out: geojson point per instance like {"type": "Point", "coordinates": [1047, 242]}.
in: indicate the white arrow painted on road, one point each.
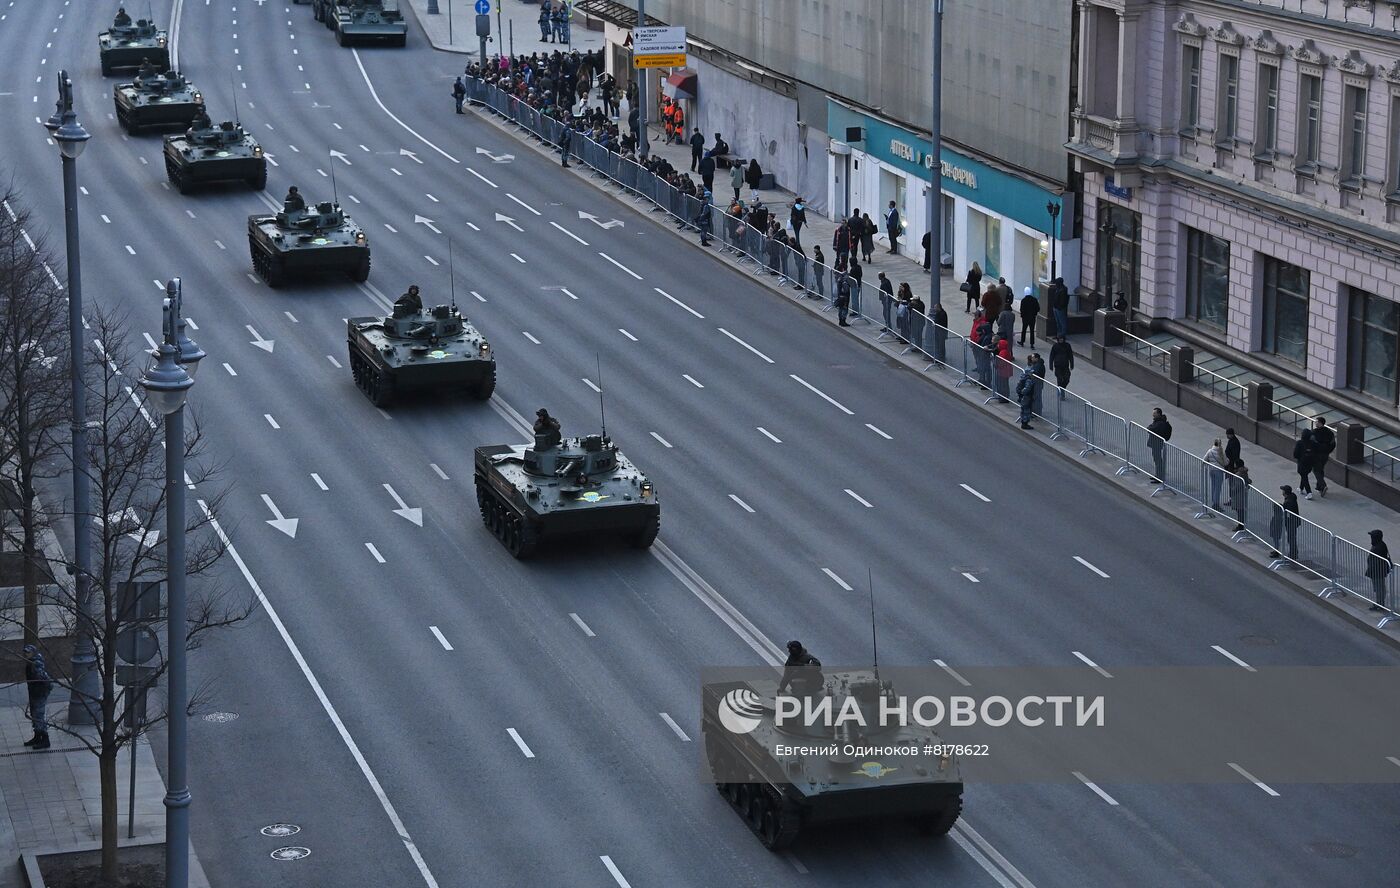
{"type": "Point", "coordinates": [264, 344]}
{"type": "Point", "coordinates": [404, 152]}
{"type": "Point", "coordinates": [423, 220]}
{"type": "Point", "coordinates": [286, 525]}
{"type": "Point", "coordinates": [509, 221]}
{"type": "Point", "coordinates": [612, 223]}
{"type": "Point", "coordinates": [496, 158]}
{"type": "Point", "coordinates": [414, 515]}
{"type": "Point", "coordinates": [341, 155]}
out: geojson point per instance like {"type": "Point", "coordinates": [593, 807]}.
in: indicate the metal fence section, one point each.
{"type": "Point", "coordinates": [1147, 352]}
{"type": "Point", "coordinates": [1367, 576]}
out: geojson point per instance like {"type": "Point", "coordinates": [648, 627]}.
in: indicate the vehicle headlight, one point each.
{"type": "Point", "coordinates": [484, 350]}
{"type": "Point", "coordinates": [257, 151]}
{"type": "Point", "coordinates": [199, 97]}
{"type": "Point", "coordinates": [647, 490]}
{"type": "Point", "coordinates": [160, 41]}
{"type": "Point", "coordinates": [359, 237]}
{"type": "Point", "coordinates": [943, 762]}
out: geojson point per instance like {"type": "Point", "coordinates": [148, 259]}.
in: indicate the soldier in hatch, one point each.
{"type": "Point", "coordinates": [546, 430]}
{"type": "Point", "coordinates": [122, 20]}
{"type": "Point", "coordinates": [147, 71]}
{"type": "Point", "coordinates": [802, 671]}
{"type": "Point", "coordinates": [201, 120]}
{"type": "Point", "coordinates": [293, 202]}
{"type": "Point", "coordinates": [409, 303]}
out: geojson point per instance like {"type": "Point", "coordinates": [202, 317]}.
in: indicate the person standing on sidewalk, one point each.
{"type": "Point", "coordinates": [705, 218]}
{"type": "Point", "coordinates": [1232, 451]}
{"type": "Point", "coordinates": [697, 149]}
{"type": "Point", "coordinates": [841, 242]}
{"type": "Point", "coordinates": [39, 685]}
{"type": "Point", "coordinates": [928, 258]}
{"type": "Point", "coordinates": [546, 20]}
{"type": "Point", "coordinates": [1239, 494]}
{"type": "Point", "coordinates": [1285, 521]}
{"type": "Point", "coordinates": [566, 139]}
{"type": "Point", "coordinates": [940, 332]}
{"type": "Point", "coordinates": [1324, 442]}
{"type": "Point", "coordinates": [459, 94]}
{"type": "Point", "coordinates": [857, 276]}
{"type": "Point", "coordinates": [1159, 432]}
{"type": "Point", "coordinates": [843, 296]}
{"type": "Point", "coordinates": [918, 321]}
{"type": "Point", "coordinates": [1030, 307]}
{"type": "Point", "coordinates": [736, 179]}
{"type": "Point", "coordinates": [1062, 362]}
{"type": "Point", "coordinates": [1378, 568]}
{"type": "Point", "coordinates": [753, 176]}
{"type": "Point", "coordinates": [1059, 306]}
{"type": "Point", "coordinates": [1215, 466]}
{"type": "Point", "coordinates": [819, 271]}
{"type": "Point", "coordinates": [892, 222]}
{"type": "Point", "coordinates": [1304, 454]}
{"type": "Point", "coordinates": [886, 300]}
{"type": "Point", "coordinates": [1006, 320]}
{"type": "Point", "coordinates": [1025, 392]}
{"type": "Point", "coordinates": [797, 218]}
{"type": "Point", "coordinates": [972, 287]}
{"type": "Point", "coordinates": [707, 169]}
{"type": "Point", "coordinates": [867, 238]}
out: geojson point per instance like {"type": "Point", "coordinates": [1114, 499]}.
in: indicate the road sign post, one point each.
{"type": "Point", "coordinates": [483, 30]}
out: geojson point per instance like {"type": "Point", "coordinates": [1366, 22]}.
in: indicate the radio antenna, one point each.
{"type": "Point", "coordinates": [334, 192]}
{"type": "Point", "coordinates": [451, 275]}
{"type": "Point", "coordinates": [874, 640]}
{"type": "Point", "coordinates": [237, 118]}
{"type": "Point", "coordinates": [601, 411]}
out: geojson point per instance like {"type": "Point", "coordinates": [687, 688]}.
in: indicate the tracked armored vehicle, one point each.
{"type": "Point", "coordinates": [417, 349]}
{"type": "Point", "coordinates": [362, 22]}
{"type": "Point", "coordinates": [324, 11]}
{"type": "Point", "coordinates": [779, 795]}
{"type": "Point", "coordinates": [302, 241]}
{"type": "Point", "coordinates": [157, 100]}
{"type": "Point", "coordinates": [128, 45]}
{"type": "Point", "coordinates": [208, 153]}
{"type": "Point", "coordinates": [560, 487]}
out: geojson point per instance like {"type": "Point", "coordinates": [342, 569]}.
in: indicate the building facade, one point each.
{"type": "Point", "coordinates": [1241, 179]}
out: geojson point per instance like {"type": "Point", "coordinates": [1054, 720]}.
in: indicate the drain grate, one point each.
{"type": "Point", "coordinates": [220, 717]}
{"type": "Point", "coordinates": [291, 852]}
{"type": "Point", "coordinates": [1332, 850]}
{"type": "Point", "coordinates": [280, 830]}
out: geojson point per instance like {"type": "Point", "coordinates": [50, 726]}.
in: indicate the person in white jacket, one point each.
{"type": "Point", "coordinates": [1215, 463]}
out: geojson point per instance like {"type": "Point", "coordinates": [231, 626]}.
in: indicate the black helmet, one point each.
{"type": "Point", "coordinates": [541, 412]}
{"type": "Point", "coordinates": [794, 646]}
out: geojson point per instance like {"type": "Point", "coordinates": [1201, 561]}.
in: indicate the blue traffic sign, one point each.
{"type": "Point", "coordinates": [483, 7]}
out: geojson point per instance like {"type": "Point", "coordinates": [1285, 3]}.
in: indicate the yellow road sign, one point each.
{"type": "Point", "coordinates": [659, 61]}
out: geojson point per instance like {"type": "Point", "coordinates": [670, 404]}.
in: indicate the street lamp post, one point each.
{"type": "Point", "coordinates": [642, 143]}
{"type": "Point", "coordinates": [1054, 210]}
{"type": "Point", "coordinates": [63, 126]}
{"type": "Point", "coordinates": [935, 190]}
{"type": "Point", "coordinates": [167, 383]}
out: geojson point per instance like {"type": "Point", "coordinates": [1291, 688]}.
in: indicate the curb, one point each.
{"type": "Point", "coordinates": [810, 307]}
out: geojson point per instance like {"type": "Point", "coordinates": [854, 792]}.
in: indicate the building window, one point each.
{"type": "Point", "coordinates": [1228, 104]}
{"type": "Point", "coordinates": [1285, 310]}
{"type": "Point", "coordinates": [1190, 89]}
{"type": "Point", "coordinates": [1309, 121]}
{"type": "Point", "coordinates": [1373, 328]}
{"type": "Point", "coordinates": [1120, 253]}
{"type": "Point", "coordinates": [1353, 136]}
{"type": "Point", "coordinates": [1207, 278]}
{"type": "Point", "coordinates": [1266, 128]}
{"type": "Point", "coordinates": [1394, 145]}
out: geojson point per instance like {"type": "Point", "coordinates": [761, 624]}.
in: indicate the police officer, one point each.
{"type": "Point", "coordinates": [293, 202]}
{"type": "Point", "coordinates": [409, 303]}
{"type": "Point", "coordinates": [39, 684]}
{"type": "Point", "coordinates": [459, 93]}
{"type": "Point", "coordinates": [546, 429]}
{"type": "Point", "coordinates": [122, 20]}
{"type": "Point", "coordinates": [802, 671]}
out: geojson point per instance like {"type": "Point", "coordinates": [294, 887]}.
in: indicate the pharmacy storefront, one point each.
{"type": "Point", "coordinates": [990, 216]}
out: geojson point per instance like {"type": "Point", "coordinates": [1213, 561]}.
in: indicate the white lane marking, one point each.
{"type": "Point", "coordinates": [431, 198]}
{"type": "Point", "coordinates": [522, 203]}
{"type": "Point", "coordinates": [437, 633]}
{"type": "Point", "coordinates": [375, 94]}
{"type": "Point", "coordinates": [823, 395]}
{"type": "Point", "coordinates": [971, 578]}
{"type": "Point", "coordinates": [1091, 567]}
{"type": "Point", "coordinates": [291, 317]}
{"type": "Point", "coordinates": [796, 864]}
{"type": "Point", "coordinates": [620, 265]}
{"type": "Point", "coordinates": [569, 233]}
{"type": "Point", "coordinates": [270, 421]}
{"type": "Point", "coordinates": [191, 214]}
{"type": "Point", "coordinates": [1094, 786]}
{"type": "Point", "coordinates": [83, 189]}
{"type": "Point", "coordinates": [625, 333]}
{"type": "Point", "coordinates": [769, 435]}
{"type": "Point", "coordinates": [332, 360]}
{"type": "Point", "coordinates": [1232, 658]}
{"type": "Point", "coordinates": [104, 218]}
{"type": "Point", "coordinates": [858, 498]}
{"type": "Point", "coordinates": [878, 432]}
{"type": "Point", "coordinates": [837, 580]}
{"type": "Point", "coordinates": [440, 473]}
{"type": "Point", "coordinates": [975, 493]}
{"type": "Point", "coordinates": [130, 250]}
{"type": "Point", "coordinates": [567, 292]}
{"type": "Point", "coordinates": [692, 380]}
{"type": "Point", "coordinates": [294, 148]}
{"type": "Point", "coordinates": [375, 552]}
{"type": "Point", "coordinates": [319, 483]}
{"type": "Point", "coordinates": [1252, 779]}
{"type": "Point", "coordinates": [588, 382]}
{"type": "Point", "coordinates": [250, 276]}
{"type": "Point", "coordinates": [472, 226]}
{"type": "Point", "coordinates": [363, 148]}
{"type": "Point", "coordinates": [1092, 665]}
{"type": "Point", "coordinates": [479, 297]}
{"type": "Point", "coordinates": [482, 178]}
{"type": "Point", "coordinates": [527, 335]}
{"type": "Point", "coordinates": [150, 340]}
{"type": "Point", "coordinates": [520, 743]}
{"type": "Point", "coordinates": [431, 260]}
{"type": "Point", "coordinates": [743, 505]}
{"type": "Point", "coordinates": [1011, 876]}
{"type": "Point", "coordinates": [231, 371]}
{"type": "Point", "coordinates": [517, 258]}
{"type": "Point", "coordinates": [671, 723]}
{"type": "Point", "coordinates": [953, 672]}
{"type": "Point", "coordinates": [392, 229]}
{"type": "Point", "coordinates": [220, 244]}
{"type": "Point", "coordinates": [582, 625]}
{"type": "Point", "coordinates": [1393, 760]}
{"type": "Point", "coordinates": [680, 303]}
{"type": "Point", "coordinates": [612, 868]}
{"type": "Point", "coordinates": [353, 198]}
{"type": "Point", "coordinates": [745, 344]}
{"type": "Point", "coordinates": [664, 442]}
{"type": "Point", "coordinates": [324, 701]}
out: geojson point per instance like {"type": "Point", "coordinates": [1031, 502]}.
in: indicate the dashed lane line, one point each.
{"type": "Point", "coordinates": [319, 483]}
{"type": "Point", "coordinates": [661, 440]}
{"type": "Point", "coordinates": [1232, 658]}
{"type": "Point", "coordinates": [975, 493]}
{"type": "Point", "coordinates": [745, 344]}
{"type": "Point", "coordinates": [1092, 665]}
{"type": "Point", "coordinates": [442, 640]}
{"type": "Point", "coordinates": [578, 621]}
{"type": "Point", "coordinates": [1095, 787]}
{"type": "Point", "coordinates": [1090, 566]}
{"type": "Point", "coordinates": [692, 380]}
{"type": "Point", "coordinates": [1252, 779]}
{"type": "Point", "coordinates": [625, 333]}
{"type": "Point", "coordinates": [616, 874]}
{"type": "Point", "coordinates": [858, 498]}
{"type": "Point", "coordinates": [769, 435]}
{"type": "Point", "coordinates": [620, 265]}
{"type": "Point", "coordinates": [591, 384]}
{"type": "Point", "coordinates": [440, 473]}
{"type": "Point", "coordinates": [527, 335]}
{"type": "Point", "coordinates": [375, 552]}
{"type": "Point", "coordinates": [823, 395]}
{"type": "Point", "coordinates": [522, 203]}
{"type": "Point", "coordinates": [953, 672]}
{"type": "Point", "coordinates": [671, 723]}
{"type": "Point", "coordinates": [569, 233]}
{"type": "Point", "coordinates": [878, 432]}
{"type": "Point", "coordinates": [971, 578]}
{"type": "Point", "coordinates": [525, 750]}
{"type": "Point", "coordinates": [743, 505]}
{"type": "Point", "coordinates": [680, 303]}
{"type": "Point", "coordinates": [836, 579]}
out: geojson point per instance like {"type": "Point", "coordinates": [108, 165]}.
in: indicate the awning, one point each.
{"type": "Point", "coordinates": [683, 84]}
{"type": "Point", "coordinates": [613, 12]}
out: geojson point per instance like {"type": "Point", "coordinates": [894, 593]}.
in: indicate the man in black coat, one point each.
{"type": "Point", "coordinates": [802, 671]}
{"type": "Point", "coordinates": [697, 149]}
{"type": "Point", "coordinates": [707, 167]}
{"type": "Point", "coordinates": [1304, 454]}
{"type": "Point", "coordinates": [1061, 362]}
{"type": "Point", "coordinates": [1030, 308]}
{"type": "Point", "coordinates": [1059, 306]}
{"type": "Point", "coordinates": [39, 685]}
{"type": "Point", "coordinates": [1159, 432]}
{"type": "Point", "coordinates": [1324, 442]}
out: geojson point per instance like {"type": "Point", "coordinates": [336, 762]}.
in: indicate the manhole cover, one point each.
{"type": "Point", "coordinates": [1332, 850]}
{"type": "Point", "coordinates": [280, 830]}
{"type": "Point", "coordinates": [1258, 640]}
{"type": "Point", "coordinates": [292, 852]}
{"type": "Point", "coordinates": [220, 717]}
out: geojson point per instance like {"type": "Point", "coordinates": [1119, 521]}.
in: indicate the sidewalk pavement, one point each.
{"type": "Point", "coordinates": [518, 33]}
{"type": "Point", "coordinates": [52, 800]}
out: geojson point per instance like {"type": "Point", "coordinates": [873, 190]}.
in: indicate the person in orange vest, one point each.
{"type": "Point", "coordinates": [666, 118]}
{"type": "Point", "coordinates": [678, 122]}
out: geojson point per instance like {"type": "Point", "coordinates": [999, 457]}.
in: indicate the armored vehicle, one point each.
{"type": "Point", "coordinates": [127, 46]}
{"type": "Point", "coordinates": [369, 21]}
{"type": "Point", "coordinates": [563, 487]}
{"type": "Point", "coordinates": [324, 11]}
{"type": "Point", "coordinates": [156, 100]}
{"type": "Point", "coordinates": [417, 349]}
{"type": "Point", "coordinates": [820, 779]}
{"type": "Point", "coordinates": [208, 153]}
{"type": "Point", "coordinates": [302, 241]}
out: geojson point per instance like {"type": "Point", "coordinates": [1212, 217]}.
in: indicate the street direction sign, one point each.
{"type": "Point", "coordinates": [659, 61]}
{"type": "Point", "coordinates": [658, 47]}
{"type": "Point", "coordinates": [483, 7]}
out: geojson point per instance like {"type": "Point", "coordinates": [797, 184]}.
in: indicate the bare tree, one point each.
{"type": "Point", "coordinates": [34, 386]}
{"type": "Point", "coordinates": [127, 470]}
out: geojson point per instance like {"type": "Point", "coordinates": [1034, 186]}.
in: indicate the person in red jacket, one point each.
{"type": "Point", "coordinates": [1005, 364]}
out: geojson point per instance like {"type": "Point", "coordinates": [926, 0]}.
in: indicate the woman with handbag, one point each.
{"type": "Point", "coordinates": [972, 287]}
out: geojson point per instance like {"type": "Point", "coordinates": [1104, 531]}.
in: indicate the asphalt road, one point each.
{"type": "Point", "coordinates": [789, 459]}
